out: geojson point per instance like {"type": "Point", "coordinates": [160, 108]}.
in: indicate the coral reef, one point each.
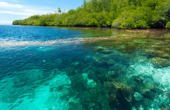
{"type": "Point", "coordinates": [160, 62]}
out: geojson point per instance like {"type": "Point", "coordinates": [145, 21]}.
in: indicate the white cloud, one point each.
{"type": "Point", "coordinates": [8, 5]}
{"type": "Point", "coordinates": [20, 9]}
{"type": "Point", "coordinates": [27, 12]}
{"type": "Point", "coordinates": [5, 22]}
{"type": "Point", "coordinates": [8, 9]}
{"type": "Point", "coordinates": [17, 13]}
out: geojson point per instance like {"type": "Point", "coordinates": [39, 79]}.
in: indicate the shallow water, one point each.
{"type": "Point", "coordinates": [51, 68]}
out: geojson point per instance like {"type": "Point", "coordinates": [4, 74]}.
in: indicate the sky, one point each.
{"type": "Point", "coordinates": [11, 10]}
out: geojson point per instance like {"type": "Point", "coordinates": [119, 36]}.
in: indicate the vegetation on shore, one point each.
{"type": "Point", "coordinates": [128, 14]}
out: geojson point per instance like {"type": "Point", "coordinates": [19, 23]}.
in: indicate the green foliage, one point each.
{"type": "Point", "coordinates": [84, 3]}
{"type": "Point", "coordinates": [164, 9]}
{"type": "Point", "coordinates": [59, 10]}
{"type": "Point", "coordinates": [152, 3]}
{"type": "Point", "coordinates": [71, 12]}
{"type": "Point", "coordinates": [168, 25]}
{"type": "Point", "coordinates": [16, 22]}
{"type": "Point", "coordinates": [126, 14]}
{"type": "Point", "coordinates": [139, 18]}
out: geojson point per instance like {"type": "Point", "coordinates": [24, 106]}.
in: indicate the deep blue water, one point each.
{"type": "Point", "coordinates": [29, 33]}
{"type": "Point", "coordinates": [52, 68]}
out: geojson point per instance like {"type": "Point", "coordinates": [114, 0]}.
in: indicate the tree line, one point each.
{"type": "Point", "coordinates": [126, 14]}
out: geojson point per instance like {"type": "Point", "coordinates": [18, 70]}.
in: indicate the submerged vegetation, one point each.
{"type": "Point", "coordinates": [126, 14]}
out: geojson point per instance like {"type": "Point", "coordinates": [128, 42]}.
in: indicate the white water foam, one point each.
{"type": "Point", "coordinates": [24, 43]}
{"type": "Point", "coordinates": [6, 43]}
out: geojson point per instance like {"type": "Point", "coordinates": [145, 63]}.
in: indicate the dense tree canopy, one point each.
{"type": "Point", "coordinates": [116, 13]}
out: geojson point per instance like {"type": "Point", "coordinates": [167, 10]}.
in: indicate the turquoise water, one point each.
{"type": "Point", "coordinates": [51, 68]}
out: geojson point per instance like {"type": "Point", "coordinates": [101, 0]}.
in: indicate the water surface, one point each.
{"type": "Point", "coordinates": [52, 68]}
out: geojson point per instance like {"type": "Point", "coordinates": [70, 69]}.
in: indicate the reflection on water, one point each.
{"type": "Point", "coordinates": [97, 69]}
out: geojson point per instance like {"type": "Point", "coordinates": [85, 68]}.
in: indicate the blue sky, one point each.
{"type": "Point", "coordinates": [11, 10]}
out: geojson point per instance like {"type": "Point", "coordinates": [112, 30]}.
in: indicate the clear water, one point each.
{"type": "Point", "coordinates": [50, 68]}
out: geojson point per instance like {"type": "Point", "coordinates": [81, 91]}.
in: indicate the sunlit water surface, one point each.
{"type": "Point", "coordinates": [50, 68]}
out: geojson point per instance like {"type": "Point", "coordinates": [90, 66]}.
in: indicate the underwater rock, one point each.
{"type": "Point", "coordinates": [119, 68]}
{"type": "Point", "coordinates": [106, 51]}
{"type": "Point", "coordinates": [120, 95]}
{"type": "Point", "coordinates": [111, 61]}
{"type": "Point", "coordinates": [75, 63]}
{"type": "Point", "coordinates": [162, 54]}
{"type": "Point", "coordinates": [167, 40]}
{"type": "Point", "coordinates": [133, 108]}
{"type": "Point", "coordinates": [160, 62]}
{"type": "Point", "coordinates": [163, 100]}
{"type": "Point", "coordinates": [138, 96]}
{"type": "Point", "coordinates": [121, 90]}
{"type": "Point", "coordinates": [78, 82]}
{"type": "Point", "coordinates": [105, 57]}
{"type": "Point", "coordinates": [148, 95]}
{"type": "Point", "coordinates": [111, 73]}
{"type": "Point", "coordinates": [91, 83]}
{"type": "Point", "coordinates": [145, 90]}
{"type": "Point", "coordinates": [150, 85]}
{"type": "Point", "coordinates": [94, 99]}
{"type": "Point", "coordinates": [150, 52]}
{"type": "Point", "coordinates": [117, 42]}
{"type": "Point", "coordinates": [167, 49]}
{"type": "Point", "coordinates": [85, 76]}
{"type": "Point", "coordinates": [141, 107]}
{"type": "Point", "coordinates": [168, 95]}
{"type": "Point", "coordinates": [100, 48]}
{"type": "Point", "coordinates": [97, 59]}
{"type": "Point", "coordinates": [87, 57]}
